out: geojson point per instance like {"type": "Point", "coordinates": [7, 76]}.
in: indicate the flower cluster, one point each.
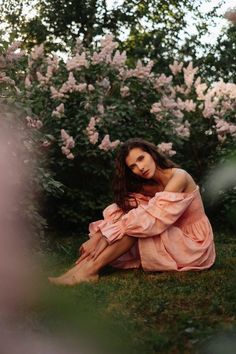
{"type": "Point", "coordinates": [230, 15]}
{"type": "Point", "coordinates": [96, 86]}
{"type": "Point", "coordinates": [59, 111]}
{"type": "Point", "coordinates": [34, 123]}
{"type": "Point", "coordinates": [223, 128]}
{"type": "Point", "coordinates": [12, 55]}
{"type": "Point", "coordinates": [91, 130]}
{"type": "Point", "coordinates": [68, 143]}
{"type": "Point", "coordinates": [106, 144]}
{"type": "Point", "coordinates": [166, 149]}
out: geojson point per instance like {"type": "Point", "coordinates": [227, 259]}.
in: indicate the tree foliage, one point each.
{"type": "Point", "coordinates": [151, 29]}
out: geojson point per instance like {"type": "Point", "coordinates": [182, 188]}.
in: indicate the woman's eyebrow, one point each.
{"type": "Point", "coordinates": [133, 164]}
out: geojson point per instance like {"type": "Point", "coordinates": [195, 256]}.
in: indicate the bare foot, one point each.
{"type": "Point", "coordinates": [67, 274]}
{"type": "Point", "coordinates": [76, 275]}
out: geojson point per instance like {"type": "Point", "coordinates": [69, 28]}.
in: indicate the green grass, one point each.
{"type": "Point", "coordinates": [137, 312]}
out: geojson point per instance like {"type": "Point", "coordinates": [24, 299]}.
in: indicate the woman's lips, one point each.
{"type": "Point", "coordinates": [145, 173]}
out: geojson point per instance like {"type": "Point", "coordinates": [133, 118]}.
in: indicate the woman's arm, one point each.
{"type": "Point", "coordinates": [154, 218]}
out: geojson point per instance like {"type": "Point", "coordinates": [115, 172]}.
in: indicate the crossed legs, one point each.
{"type": "Point", "coordinates": [88, 268]}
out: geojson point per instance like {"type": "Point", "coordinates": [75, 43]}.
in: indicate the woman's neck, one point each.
{"type": "Point", "coordinates": [162, 176]}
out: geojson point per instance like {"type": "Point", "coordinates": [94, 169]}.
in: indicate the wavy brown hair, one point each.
{"type": "Point", "coordinates": [125, 182]}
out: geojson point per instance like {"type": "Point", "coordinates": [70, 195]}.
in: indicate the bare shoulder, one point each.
{"type": "Point", "coordinates": [177, 182]}
{"type": "Point", "coordinates": [180, 181]}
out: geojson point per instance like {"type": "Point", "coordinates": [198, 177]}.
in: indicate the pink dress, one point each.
{"type": "Point", "coordinates": [172, 231]}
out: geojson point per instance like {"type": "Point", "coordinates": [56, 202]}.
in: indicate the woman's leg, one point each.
{"type": "Point", "coordinates": [88, 270]}
{"type": "Point", "coordinates": [87, 247]}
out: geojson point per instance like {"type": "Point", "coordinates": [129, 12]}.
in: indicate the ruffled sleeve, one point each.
{"type": "Point", "coordinates": [149, 220]}
{"type": "Point", "coordinates": [112, 214]}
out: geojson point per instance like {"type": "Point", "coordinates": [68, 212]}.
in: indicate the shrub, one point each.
{"type": "Point", "coordinates": [86, 105]}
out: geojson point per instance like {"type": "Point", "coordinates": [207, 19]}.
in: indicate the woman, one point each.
{"type": "Point", "coordinates": [157, 222]}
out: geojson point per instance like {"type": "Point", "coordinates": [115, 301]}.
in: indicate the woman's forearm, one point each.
{"type": "Point", "coordinates": [96, 236]}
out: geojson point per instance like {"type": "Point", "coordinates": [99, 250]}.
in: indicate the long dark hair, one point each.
{"type": "Point", "coordinates": [125, 181]}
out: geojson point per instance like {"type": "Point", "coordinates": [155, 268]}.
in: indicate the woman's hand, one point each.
{"type": "Point", "coordinates": [103, 243]}
{"type": "Point", "coordinates": [88, 247]}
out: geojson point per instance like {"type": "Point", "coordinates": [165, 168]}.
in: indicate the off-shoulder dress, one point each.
{"type": "Point", "coordinates": [172, 231]}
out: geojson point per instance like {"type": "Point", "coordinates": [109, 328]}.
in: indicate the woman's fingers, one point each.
{"type": "Point", "coordinates": [83, 256]}
{"type": "Point", "coordinates": [100, 248]}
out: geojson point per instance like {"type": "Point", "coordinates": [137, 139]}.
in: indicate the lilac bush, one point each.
{"type": "Point", "coordinates": [85, 106]}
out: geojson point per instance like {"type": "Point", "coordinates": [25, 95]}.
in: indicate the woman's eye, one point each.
{"type": "Point", "coordinates": [140, 158]}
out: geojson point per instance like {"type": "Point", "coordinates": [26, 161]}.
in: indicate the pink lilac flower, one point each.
{"type": "Point", "coordinates": [156, 107]}
{"type": "Point", "coordinates": [6, 79]}
{"type": "Point", "coordinates": [56, 94]}
{"type": "Point", "coordinates": [172, 91]}
{"type": "Point", "coordinates": [34, 123]}
{"type": "Point", "coordinates": [65, 151]}
{"type": "Point", "coordinates": [230, 15]}
{"type": "Point", "coordinates": [13, 52]}
{"type": "Point", "coordinates": [183, 130]}
{"type": "Point", "coordinates": [162, 81]}
{"type": "Point", "coordinates": [53, 62]}
{"type": "Point", "coordinates": [119, 59]}
{"type": "Point", "coordinates": [42, 79]}
{"type": "Point", "coordinates": [71, 86]}
{"type": "Point", "coordinates": [77, 62]}
{"type": "Point", "coordinates": [232, 129]}
{"type": "Point", "coordinates": [37, 52]}
{"type": "Point", "coordinates": [59, 111]}
{"type": "Point", "coordinates": [107, 145]}
{"type": "Point", "coordinates": [166, 148]}
{"type": "Point", "coordinates": [176, 67]}
{"type": "Point", "coordinates": [100, 108]}
{"type": "Point", "coordinates": [190, 106]}
{"type": "Point", "coordinates": [124, 91]}
{"type": "Point", "coordinates": [141, 71]}
{"type": "Point", "coordinates": [180, 104]}
{"type": "Point", "coordinates": [178, 114]}
{"type": "Point", "coordinates": [200, 88]}
{"type": "Point", "coordinates": [106, 50]}
{"type": "Point", "coordinates": [223, 128]}
{"type": "Point", "coordinates": [82, 87]}
{"type": "Point", "coordinates": [168, 103]}
{"type": "Point", "coordinates": [64, 135]}
{"type": "Point", "coordinates": [68, 143]}
{"type": "Point", "coordinates": [180, 89]}
{"type": "Point", "coordinates": [93, 138]}
{"type": "Point", "coordinates": [91, 130]}
{"type": "Point", "coordinates": [70, 156]}
{"type": "Point", "coordinates": [28, 83]}
{"type": "Point", "coordinates": [209, 108]}
{"type": "Point", "coordinates": [108, 41]}
{"type": "Point", "coordinates": [105, 83]}
{"type": "Point", "coordinates": [91, 87]}
{"type": "Point", "coordinates": [189, 74]}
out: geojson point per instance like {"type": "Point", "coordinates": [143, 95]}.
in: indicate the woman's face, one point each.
{"type": "Point", "coordinates": [141, 163]}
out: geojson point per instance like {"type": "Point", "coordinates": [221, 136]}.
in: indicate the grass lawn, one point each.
{"type": "Point", "coordinates": [137, 312]}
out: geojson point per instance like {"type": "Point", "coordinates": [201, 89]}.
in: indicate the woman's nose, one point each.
{"type": "Point", "coordinates": [140, 167]}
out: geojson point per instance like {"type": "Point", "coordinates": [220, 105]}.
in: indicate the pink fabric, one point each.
{"type": "Point", "coordinates": [172, 231]}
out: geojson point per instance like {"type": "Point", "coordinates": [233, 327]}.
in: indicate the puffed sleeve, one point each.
{"type": "Point", "coordinates": [113, 214]}
{"type": "Point", "coordinates": [149, 220]}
